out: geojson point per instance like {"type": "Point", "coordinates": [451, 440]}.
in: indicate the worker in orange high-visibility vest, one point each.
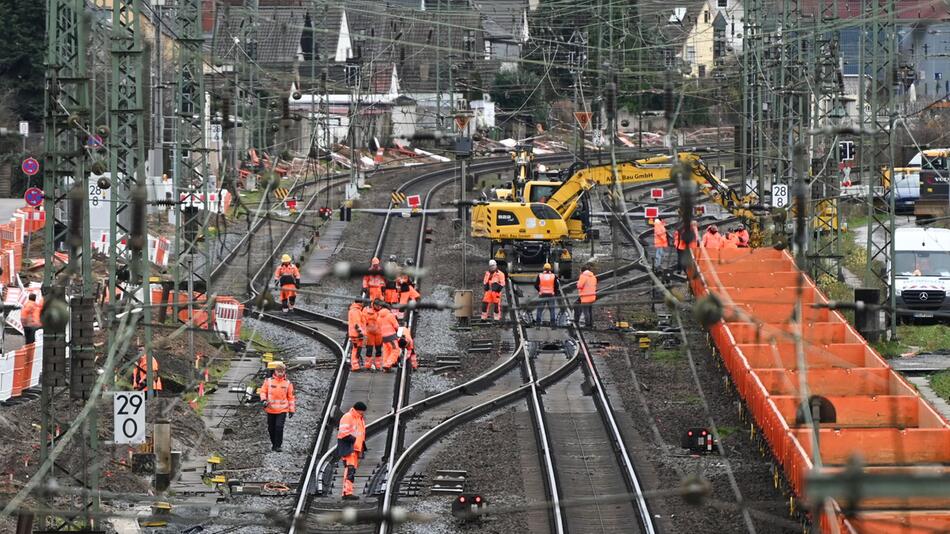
{"type": "Point", "coordinates": [660, 242]}
{"type": "Point", "coordinates": [712, 240]}
{"type": "Point", "coordinates": [351, 444]}
{"type": "Point", "coordinates": [684, 241]}
{"type": "Point", "coordinates": [140, 374]}
{"type": "Point", "coordinates": [388, 327]}
{"type": "Point", "coordinates": [407, 292]}
{"type": "Point", "coordinates": [547, 285]}
{"type": "Point", "coordinates": [277, 396]}
{"type": "Point", "coordinates": [731, 240]}
{"type": "Point", "coordinates": [374, 282]}
{"type": "Point", "coordinates": [743, 236]}
{"type": "Point", "coordinates": [494, 284]}
{"type": "Point", "coordinates": [372, 338]}
{"type": "Point", "coordinates": [406, 344]}
{"type": "Point", "coordinates": [30, 318]}
{"type": "Point", "coordinates": [390, 287]}
{"type": "Point", "coordinates": [354, 329]}
{"type": "Point", "coordinates": [586, 294]}
{"type": "Point", "coordinates": [287, 277]}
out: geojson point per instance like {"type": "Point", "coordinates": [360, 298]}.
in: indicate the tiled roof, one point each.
{"type": "Point", "coordinates": [502, 19]}
{"type": "Point", "coordinates": [278, 34]}
{"type": "Point", "coordinates": [407, 38]}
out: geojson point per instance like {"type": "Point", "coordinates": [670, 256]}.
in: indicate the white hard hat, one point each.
{"type": "Point", "coordinates": [492, 263]}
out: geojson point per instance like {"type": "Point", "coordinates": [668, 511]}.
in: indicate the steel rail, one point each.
{"type": "Point", "coordinates": [552, 481]}
{"type": "Point", "coordinates": [316, 471]}
{"type": "Point", "coordinates": [225, 263]}
{"type": "Point", "coordinates": [402, 395]}
{"type": "Point", "coordinates": [606, 411]}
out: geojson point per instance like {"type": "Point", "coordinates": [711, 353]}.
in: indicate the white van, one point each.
{"type": "Point", "coordinates": [922, 271]}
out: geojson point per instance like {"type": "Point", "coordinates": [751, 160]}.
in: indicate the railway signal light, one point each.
{"type": "Point", "coordinates": [468, 506]}
{"type": "Point", "coordinates": [699, 440]}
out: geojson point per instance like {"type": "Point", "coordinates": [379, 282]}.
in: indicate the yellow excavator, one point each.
{"type": "Point", "coordinates": [536, 221]}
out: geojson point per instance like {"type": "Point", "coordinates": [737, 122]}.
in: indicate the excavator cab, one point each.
{"type": "Point", "coordinates": [578, 224]}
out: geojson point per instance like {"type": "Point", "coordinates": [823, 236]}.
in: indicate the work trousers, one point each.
{"type": "Point", "coordinates": [585, 309]}
{"type": "Point", "coordinates": [29, 334]}
{"type": "Point", "coordinates": [390, 352]}
{"type": "Point", "coordinates": [350, 463]}
{"type": "Point", "coordinates": [658, 258]}
{"type": "Point", "coordinates": [355, 357]}
{"type": "Point", "coordinates": [288, 295]}
{"type": "Point", "coordinates": [547, 301]}
{"type": "Point", "coordinates": [374, 355]}
{"type": "Point", "coordinates": [275, 427]}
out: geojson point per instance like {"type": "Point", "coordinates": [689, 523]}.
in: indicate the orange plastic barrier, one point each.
{"type": "Point", "coordinates": [868, 410]}
{"type": "Point", "coordinates": [230, 323]}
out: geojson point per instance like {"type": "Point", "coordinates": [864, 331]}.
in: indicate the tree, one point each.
{"type": "Point", "coordinates": [22, 44]}
{"type": "Point", "coordinates": [518, 91]}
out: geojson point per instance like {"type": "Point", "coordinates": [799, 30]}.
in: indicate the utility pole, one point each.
{"type": "Point", "coordinates": [190, 162]}
{"type": "Point", "coordinates": [827, 102]}
{"type": "Point", "coordinates": [128, 236]}
{"type": "Point", "coordinates": [65, 183]}
{"type": "Point", "coordinates": [879, 65]}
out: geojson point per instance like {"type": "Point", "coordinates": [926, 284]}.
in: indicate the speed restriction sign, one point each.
{"type": "Point", "coordinates": [128, 411]}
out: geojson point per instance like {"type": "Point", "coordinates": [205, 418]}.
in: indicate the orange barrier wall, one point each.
{"type": "Point", "coordinates": [879, 416]}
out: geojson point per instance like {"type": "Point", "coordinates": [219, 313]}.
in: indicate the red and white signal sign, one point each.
{"type": "Point", "coordinates": [656, 193]}
{"type": "Point", "coordinates": [414, 201]}
{"type": "Point", "coordinates": [583, 119]}
{"type": "Point", "coordinates": [651, 213]}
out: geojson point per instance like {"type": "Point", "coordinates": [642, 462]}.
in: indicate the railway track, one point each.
{"type": "Point", "coordinates": [264, 255]}
{"type": "Point", "coordinates": [590, 456]}
{"type": "Point", "coordinates": [388, 394]}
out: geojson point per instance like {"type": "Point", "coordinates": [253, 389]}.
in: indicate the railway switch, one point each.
{"type": "Point", "coordinates": [469, 507]}
{"type": "Point", "coordinates": [699, 440]}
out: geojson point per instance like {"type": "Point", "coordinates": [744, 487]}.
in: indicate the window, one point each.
{"type": "Point", "coordinates": [543, 211]}
{"type": "Point", "coordinates": [506, 218]}
{"type": "Point", "coordinates": [935, 163]}
{"type": "Point", "coordinates": [719, 42]}
{"type": "Point", "coordinates": [691, 54]}
{"type": "Point", "coordinates": [541, 193]}
{"type": "Point", "coordinates": [706, 16]}
{"type": "Point", "coordinates": [702, 71]}
{"type": "Point", "coordinates": [909, 263]}
{"type": "Point", "coordinates": [424, 72]}
{"type": "Point", "coordinates": [722, 3]}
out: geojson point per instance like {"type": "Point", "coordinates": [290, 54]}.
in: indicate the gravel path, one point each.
{"type": "Point", "coordinates": [246, 447]}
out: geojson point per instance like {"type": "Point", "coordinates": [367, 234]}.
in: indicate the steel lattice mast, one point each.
{"type": "Point", "coordinates": [128, 237]}
{"type": "Point", "coordinates": [878, 114]}
{"type": "Point", "coordinates": [190, 166]}
{"type": "Point", "coordinates": [65, 182]}
{"type": "Point", "coordinates": [827, 104]}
